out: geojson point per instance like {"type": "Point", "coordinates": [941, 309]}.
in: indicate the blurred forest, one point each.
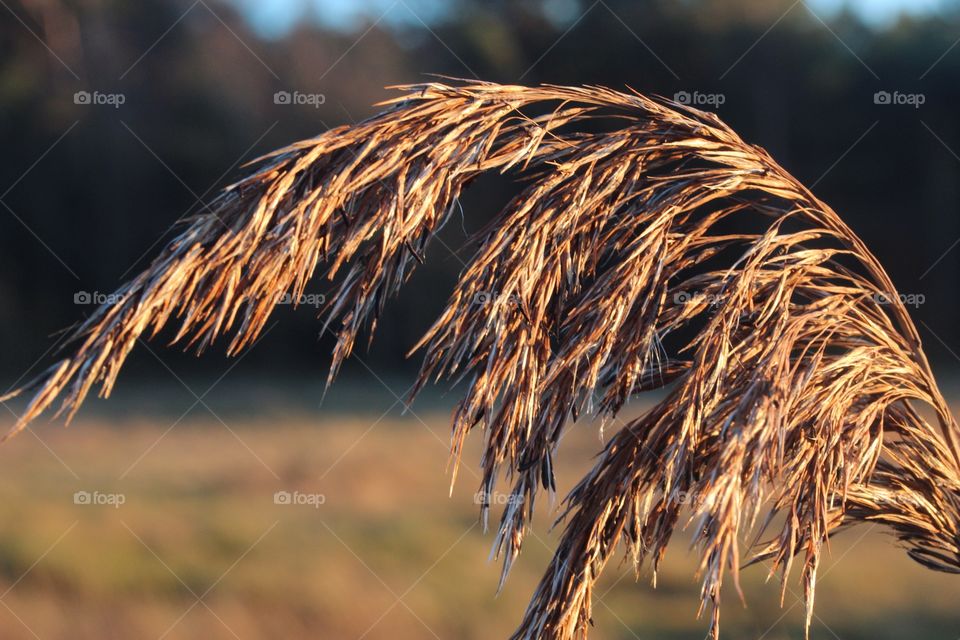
{"type": "Point", "coordinates": [89, 188]}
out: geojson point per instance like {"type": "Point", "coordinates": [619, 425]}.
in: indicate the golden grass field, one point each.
{"type": "Point", "coordinates": [199, 549]}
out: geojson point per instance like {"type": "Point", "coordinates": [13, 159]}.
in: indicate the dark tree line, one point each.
{"type": "Point", "coordinates": [835, 102]}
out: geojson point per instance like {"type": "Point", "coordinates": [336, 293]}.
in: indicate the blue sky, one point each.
{"type": "Point", "coordinates": [273, 18]}
{"type": "Point", "coordinates": [878, 11]}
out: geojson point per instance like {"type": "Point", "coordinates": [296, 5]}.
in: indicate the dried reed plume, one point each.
{"type": "Point", "coordinates": [794, 391]}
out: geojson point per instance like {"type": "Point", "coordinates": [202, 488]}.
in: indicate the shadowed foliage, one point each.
{"type": "Point", "coordinates": [650, 248]}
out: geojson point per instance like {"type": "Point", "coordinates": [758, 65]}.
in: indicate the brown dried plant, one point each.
{"type": "Point", "coordinates": [650, 248]}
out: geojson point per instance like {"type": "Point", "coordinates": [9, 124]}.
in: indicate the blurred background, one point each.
{"type": "Point", "coordinates": [221, 497]}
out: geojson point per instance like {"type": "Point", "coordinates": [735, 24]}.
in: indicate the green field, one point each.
{"type": "Point", "coordinates": [200, 549]}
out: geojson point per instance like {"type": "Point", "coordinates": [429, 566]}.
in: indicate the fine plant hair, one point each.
{"type": "Point", "coordinates": [650, 248]}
